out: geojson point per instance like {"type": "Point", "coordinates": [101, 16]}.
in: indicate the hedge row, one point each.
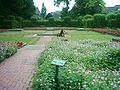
{"type": "Point", "coordinates": [102, 20]}
{"type": "Point", "coordinates": [89, 21]}
{"type": "Point", "coordinates": [49, 23]}
{"type": "Point", "coordinates": [10, 22]}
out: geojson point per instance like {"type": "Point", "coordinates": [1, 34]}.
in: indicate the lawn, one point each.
{"type": "Point", "coordinates": [92, 63]}
{"type": "Point", "coordinates": [19, 36]}
{"type": "Point", "coordinates": [82, 35]}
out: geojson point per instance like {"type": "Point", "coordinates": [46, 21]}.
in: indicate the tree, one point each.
{"type": "Point", "coordinates": [57, 15]}
{"type": "Point", "coordinates": [48, 15]}
{"type": "Point", "coordinates": [43, 11]}
{"type": "Point", "coordinates": [67, 2]}
{"type": "Point", "coordinates": [23, 8]}
{"type": "Point", "coordinates": [64, 12]}
{"type": "Point", "coordinates": [84, 7]}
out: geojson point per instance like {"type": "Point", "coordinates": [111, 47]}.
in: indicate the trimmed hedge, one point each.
{"type": "Point", "coordinates": [113, 20]}
{"type": "Point", "coordinates": [89, 23]}
{"type": "Point", "coordinates": [100, 20]}
{"type": "Point", "coordinates": [10, 24]}
{"type": "Point", "coordinates": [50, 23]}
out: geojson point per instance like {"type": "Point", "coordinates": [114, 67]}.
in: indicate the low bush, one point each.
{"type": "Point", "coordinates": [51, 21]}
{"type": "Point", "coordinates": [7, 49]}
{"type": "Point", "coordinates": [89, 23]}
{"type": "Point", "coordinates": [100, 20]}
{"type": "Point", "coordinates": [67, 19]}
{"type": "Point", "coordinates": [112, 59]}
{"type": "Point", "coordinates": [10, 17]}
{"type": "Point", "coordinates": [87, 17]}
{"type": "Point", "coordinates": [10, 24]}
{"type": "Point", "coordinates": [17, 29]}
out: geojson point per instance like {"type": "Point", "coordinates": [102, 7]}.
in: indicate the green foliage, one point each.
{"type": "Point", "coordinates": [89, 23]}
{"type": "Point", "coordinates": [23, 8]}
{"type": "Point", "coordinates": [82, 69]}
{"type": "Point", "coordinates": [84, 7]}
{"type": "Point", "coordinates": [88, 17]}
{"type": "Point", "coordinates": [7, 49]}
{"type": "Point", "coordinates": [10, 17]}
{"type": "Point", "coordinates": [64, 12]}
{"type": "Point", "coordinates": [113, 20]}
{"type": "Point", "coordinates": [112, 59]}
{"type": "Point", "coordinates": [2, 18]}
{"type": "Point", "coordinates": [67, 19]}
{"type": "Point", "coordinates": [43, 11]}
{"type": "Point", "coordinates": [57, 15]}
{"type": "Point", "coordinates": [10, 24]}
{"type": "Point", "coordinates": [51, 20]}
{"type": "Point", "coordinates": [100, 20]}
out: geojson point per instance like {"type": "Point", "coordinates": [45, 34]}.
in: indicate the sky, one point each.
{"type": "Point", "coordinates": [51, 8]}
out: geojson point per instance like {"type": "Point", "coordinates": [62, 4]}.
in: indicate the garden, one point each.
{"type": "Point", "coordinates": [89, 45]}
{"type": "Point", "coordinates": [92, 62]}
{"type": "Point", "coordinates": [10, 41]}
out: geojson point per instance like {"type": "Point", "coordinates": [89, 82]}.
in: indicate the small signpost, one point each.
{"type": "Point", "coordinates": [57, 63]}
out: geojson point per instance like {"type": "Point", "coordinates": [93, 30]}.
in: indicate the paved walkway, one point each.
{"type": "Point", "coordinates": [16, 72]}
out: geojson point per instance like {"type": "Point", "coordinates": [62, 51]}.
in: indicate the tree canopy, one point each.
{"type": "Point", "coordinates": [43, 11]}
{"type": "Point", "coordinates": [66, 2]}
{"type": "Point", "coordinates": [84, 7]}
{"type": "Point", "coordinates": [23, 8]}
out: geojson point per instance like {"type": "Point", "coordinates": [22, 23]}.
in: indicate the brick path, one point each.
{"type": "Point", "coordinates": [16, 72]}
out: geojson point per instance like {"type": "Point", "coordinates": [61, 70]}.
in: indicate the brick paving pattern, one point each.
{"type": "Point", "coordinates": [16, 72]}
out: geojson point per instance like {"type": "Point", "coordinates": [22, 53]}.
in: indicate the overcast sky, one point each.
{"type": "Point", "coordinates": [51, 8]}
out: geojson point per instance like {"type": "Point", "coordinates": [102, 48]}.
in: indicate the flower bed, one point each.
{"type": "Point", "coordinates": [90, 65]}
{"type": "Point", "coordinates": [115, 32]}
{"type": "Point", "coordinates": [7, 49]}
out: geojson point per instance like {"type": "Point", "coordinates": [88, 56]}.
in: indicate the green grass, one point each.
{"type": "Point", "coordinates": [90, 64]}
{"type": "Point", "coordinates": [19, 36]}
{"type": "Point", "coordinates": [83, 35]}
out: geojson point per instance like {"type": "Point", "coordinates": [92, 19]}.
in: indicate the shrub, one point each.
{"type": "Point", "coordinates": [89, 23]}
{"type": "Point", "coordinates": [112, 23]}
{"type": "Point", "coordinates": [87, 17]}
{"type": "Point", "coordinates": [113, 20]}
{"type": "Point", "coordinates": [2, 18]}
{"type": "Point", "coordinates": [100, 20]}
{"type": "Point", "coordinates": [10, 17]}
{"type": "Point", "coordinates": [80, 21]}
{"type": "Point", "coordinates": [112, 59]}
{"type": "Point", "coordinates": [67, 19]}
{"type": "Point", "coordinates": [10, 24]}
{"type": "Point", "coordinates": [20, 20]}
{"type": "Point", "coordinates": [51, 21]}
{"type": "Point", "coordinates": [111, 16]}
{"type": "Point", "coordinates": [15, 29]}
{"type": "Point", "coordinates": [28, 23]}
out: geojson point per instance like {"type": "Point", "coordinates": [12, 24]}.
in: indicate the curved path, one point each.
{"type": "Point", "coordinates": [16, 72]}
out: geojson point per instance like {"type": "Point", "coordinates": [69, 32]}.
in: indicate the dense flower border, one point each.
{"type": "Point", "coordinates": [7, 49]}
{"type": "Point", "coordinates": [107, 31]}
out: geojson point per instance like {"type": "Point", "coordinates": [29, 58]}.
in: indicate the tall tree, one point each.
{"type": "Point", "coordinates": [23, 8]}
{"type": "Point", "coordinates": [57, 15]}
{"type": "Point", "coordinates": [43, 11]}
{"type": "Point", "coordinates": [66, 2]}
{"type": "Point", "coordinates": [83, 7]}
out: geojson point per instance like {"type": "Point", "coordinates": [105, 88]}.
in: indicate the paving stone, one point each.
{"type": "Point", "coordinates": [16, 72]}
